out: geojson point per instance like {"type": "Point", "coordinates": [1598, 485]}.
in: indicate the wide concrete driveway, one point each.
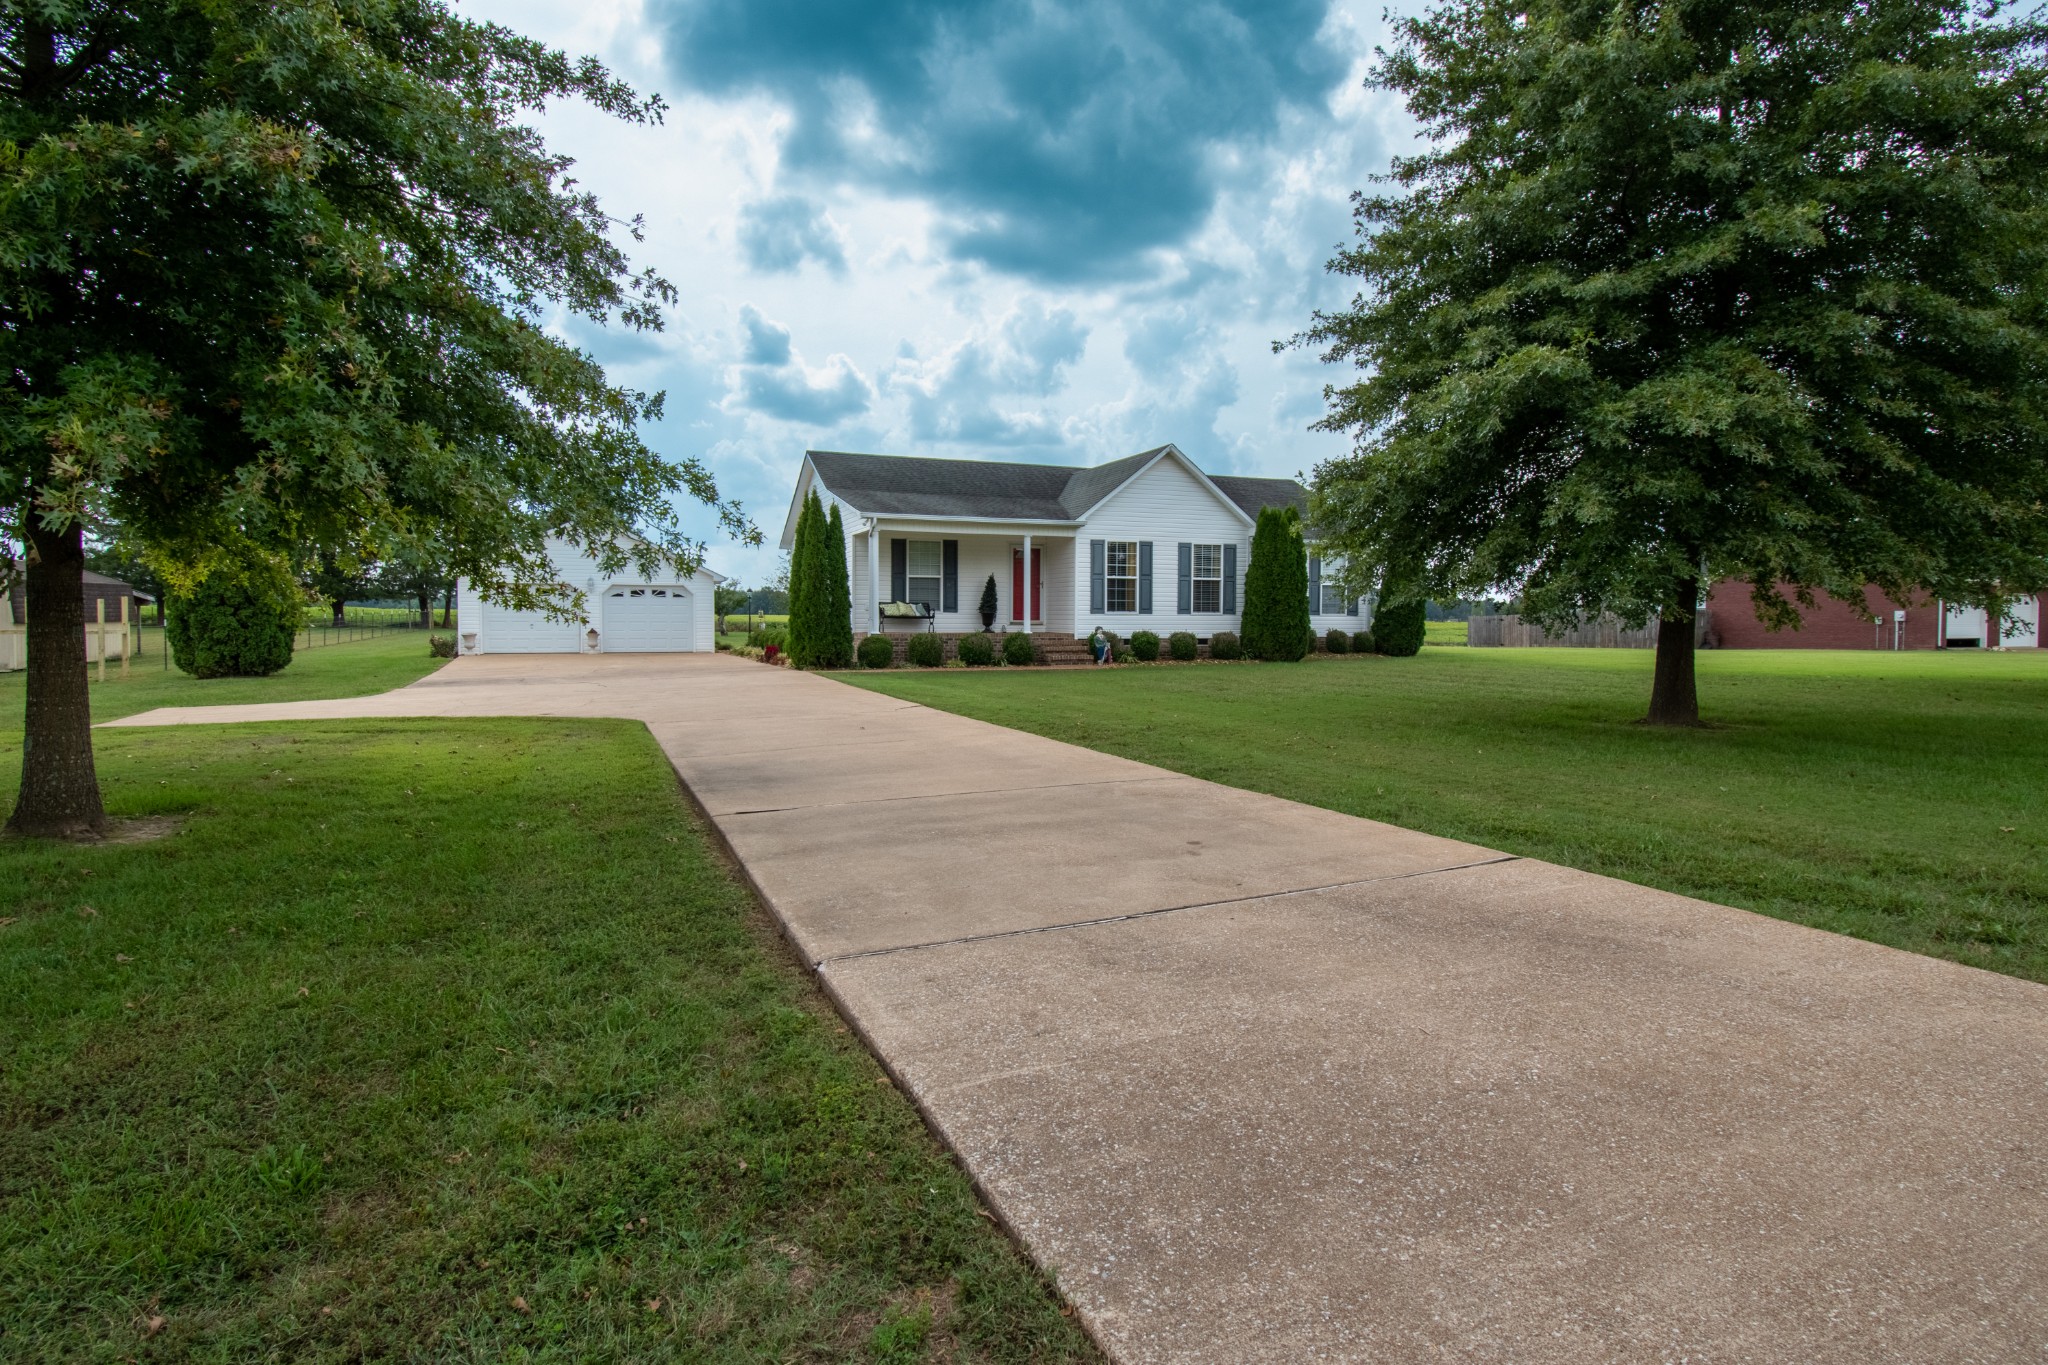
{"type": "Point", "coordinates": [1259, 1082]}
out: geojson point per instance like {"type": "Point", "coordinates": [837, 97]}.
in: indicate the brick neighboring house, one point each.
{"type": "Point", "coordinates": [1928, 624]}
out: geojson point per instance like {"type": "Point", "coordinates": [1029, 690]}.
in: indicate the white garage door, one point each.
{"type": "Point", "coordinates": [526, 632]}
{"type": "Point", "coordinates": [648, 620]}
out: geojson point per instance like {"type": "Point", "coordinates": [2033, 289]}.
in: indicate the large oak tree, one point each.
{"type": "Point", "coordinates": [1696, 290]}
{"type": "Point", "coordinates": [279, 268]}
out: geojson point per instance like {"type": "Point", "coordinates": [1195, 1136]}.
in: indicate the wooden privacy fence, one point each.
{"type": "Point", "coordinates": [1602, 632]}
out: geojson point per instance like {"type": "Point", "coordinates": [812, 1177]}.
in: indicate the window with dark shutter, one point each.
{"type": "Point", "coordinates": [1206, 577]}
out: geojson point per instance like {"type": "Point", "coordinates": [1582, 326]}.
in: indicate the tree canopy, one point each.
{"type": "Point", "coordinates": [282, 268]}
{"type": "Point", "coordinates": [1692, 291]}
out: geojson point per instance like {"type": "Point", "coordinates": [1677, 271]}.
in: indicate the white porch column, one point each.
{"type": "Point", "coordinates": [1030, 585]}
{"type": "Point", "coordinates": [874, 581]}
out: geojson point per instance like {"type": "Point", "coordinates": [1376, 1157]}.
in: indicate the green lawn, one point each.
{"type": "Point", "coordinates": [437, 1040]}
{"type": "Point", "coordinates": [354, 669]}
{"type": "Point", "coordinates": [1897, 797]}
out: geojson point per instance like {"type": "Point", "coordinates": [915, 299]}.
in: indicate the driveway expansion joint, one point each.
{"type": "Point", "coordinates": [1136, 915]}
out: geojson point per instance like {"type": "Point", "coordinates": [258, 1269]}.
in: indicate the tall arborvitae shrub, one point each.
{"type": "Point", "coordinates": [837, 651]}
{"type": "Point", "coordinates": [799, 581]}
{"type": "Point", "coordinates": [1276, 588]}
{"type": "Point", "coordinates": [810, 596]}
{"type": "Point", "coordinates": [1398, 629]}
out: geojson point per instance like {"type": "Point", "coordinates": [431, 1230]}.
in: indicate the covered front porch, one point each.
{"type": "Point", "coordinates": [946, 566]}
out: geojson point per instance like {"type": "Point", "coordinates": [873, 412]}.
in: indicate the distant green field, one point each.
{"type": "Point", "coordinates": [1897, 797]}
{"type": "Point", "coordinates": [1445, 632]}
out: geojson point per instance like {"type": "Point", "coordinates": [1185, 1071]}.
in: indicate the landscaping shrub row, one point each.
{"type": "Point", "coordinates": [1017, 650]}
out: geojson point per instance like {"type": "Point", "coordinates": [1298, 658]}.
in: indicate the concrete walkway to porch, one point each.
{"type": "Point", "coordinates": [1262, 1082]}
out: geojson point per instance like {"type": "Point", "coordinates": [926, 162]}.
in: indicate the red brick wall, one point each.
{"type": "Point", "coordinates": [1732, 623]}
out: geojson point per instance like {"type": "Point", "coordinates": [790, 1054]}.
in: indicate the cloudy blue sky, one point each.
{"type": "Point", "coordinates": [1058, 230]}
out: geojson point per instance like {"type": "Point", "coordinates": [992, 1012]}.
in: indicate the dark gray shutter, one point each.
{"type": "Point", "coordinates": [949, 587]}
{"type": "Point", "coordinates": [1187, 578]}
{"type": "Point", "coordinates": [1315, 585]}
{"type": "Point", "coordinates": [1144, 576]}
{"type": "Point", "coordinates": [1097, 570]}
{"type": "Point", "coordinates": [1230, 578]}
{"type": "Point", "coordinates": [899, 570]}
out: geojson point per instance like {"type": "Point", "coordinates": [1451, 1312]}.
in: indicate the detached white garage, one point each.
{"type": "Point", "coordinates": [626, 613]}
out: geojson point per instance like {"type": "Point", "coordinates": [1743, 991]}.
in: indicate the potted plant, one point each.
{"type": "Point", "coordinates": [988, 603]}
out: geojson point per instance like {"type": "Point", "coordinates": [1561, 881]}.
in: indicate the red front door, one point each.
{"type": "Point", "coordinates": [1037, 583]}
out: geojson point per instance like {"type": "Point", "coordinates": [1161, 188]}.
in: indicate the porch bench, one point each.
{"type": "Point", "coordinates": [910, 611]}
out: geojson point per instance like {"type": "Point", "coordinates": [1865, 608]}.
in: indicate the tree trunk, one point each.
{"type": "Point", "coordinates": [60, 791]}
{"type": "Point", "coordinates": [448, 608]}
{"type": "Point", "coordinates": [426, 610]}
{"type": "Point", "coordinates": [339, 606]}
{"type": "Point", "coordinates": [1674, 696]}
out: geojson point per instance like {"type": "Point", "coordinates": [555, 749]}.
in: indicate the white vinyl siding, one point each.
{"type": "Point", "coordinates": [1169, 506]}
{"type": "Point", "coordinates": [685, 622]}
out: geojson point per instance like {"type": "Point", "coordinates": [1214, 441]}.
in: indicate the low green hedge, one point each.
{"type": "Point", "coordinates": [976, 651]}
{"type": "Point", "coordinates": [1183, 646]}
{"type": "Point", "coordinates": [1337, 641]}
{"type": "Point", "coordinates": [1224, 644]}
{"type": "Point", "coordinates": [926, 650]}
{"type": "Point", "coordinates": [1145, 645]}
{"type": "Point", "coordinates": [1018, 649]}
{"type": "Point", "coordinates": [1361, 642]}
{"type": "Point", "coordinates": [877, 651]}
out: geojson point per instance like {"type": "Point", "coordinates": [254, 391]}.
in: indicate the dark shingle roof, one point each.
{"type": "Point", "coordinates": [914, 486]}
{"type": "Point", "coordinates": [910, 485]}
{"type": "Point", "coordinates": [1255, 495]}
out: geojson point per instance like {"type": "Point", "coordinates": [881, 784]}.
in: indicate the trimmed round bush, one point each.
{"type": "Point", "coordinates": [877, 651]}
{"type": "Point", "coordinates": [976, 651]}
{"type": "Point", "coordinates": [1224, 644]}
{"type": "Point", "coordinates": [1183, 646]}
{"type": "Point", "coordinates": [1145, 645]}
{"type": "Point", "coordinates": [1018, 650]}
{"type": "Point", "coordinates": [1337, 641]}
{"type": "Point", "coordinates": [771, 635]}
{"type": "Point", "coordinates": [926, 651]}
{"type": "Point", "coordinates": [239, 620]}
{"type": "Point", "coordinates": [1397, 629]}
{"type": "Point", "coordinates": [1361, 642]}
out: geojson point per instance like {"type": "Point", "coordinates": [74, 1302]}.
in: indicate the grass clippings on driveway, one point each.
{"type": "Point", "coordinates": [451, 1040]}
{"type": "Point", "coordinates": [1897, 797]}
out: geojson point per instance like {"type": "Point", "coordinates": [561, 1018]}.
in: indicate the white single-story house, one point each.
{"type": "Point", "coordinates": [1148, 542]}
{"type": "Point", "coordinates": [625, 612]}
